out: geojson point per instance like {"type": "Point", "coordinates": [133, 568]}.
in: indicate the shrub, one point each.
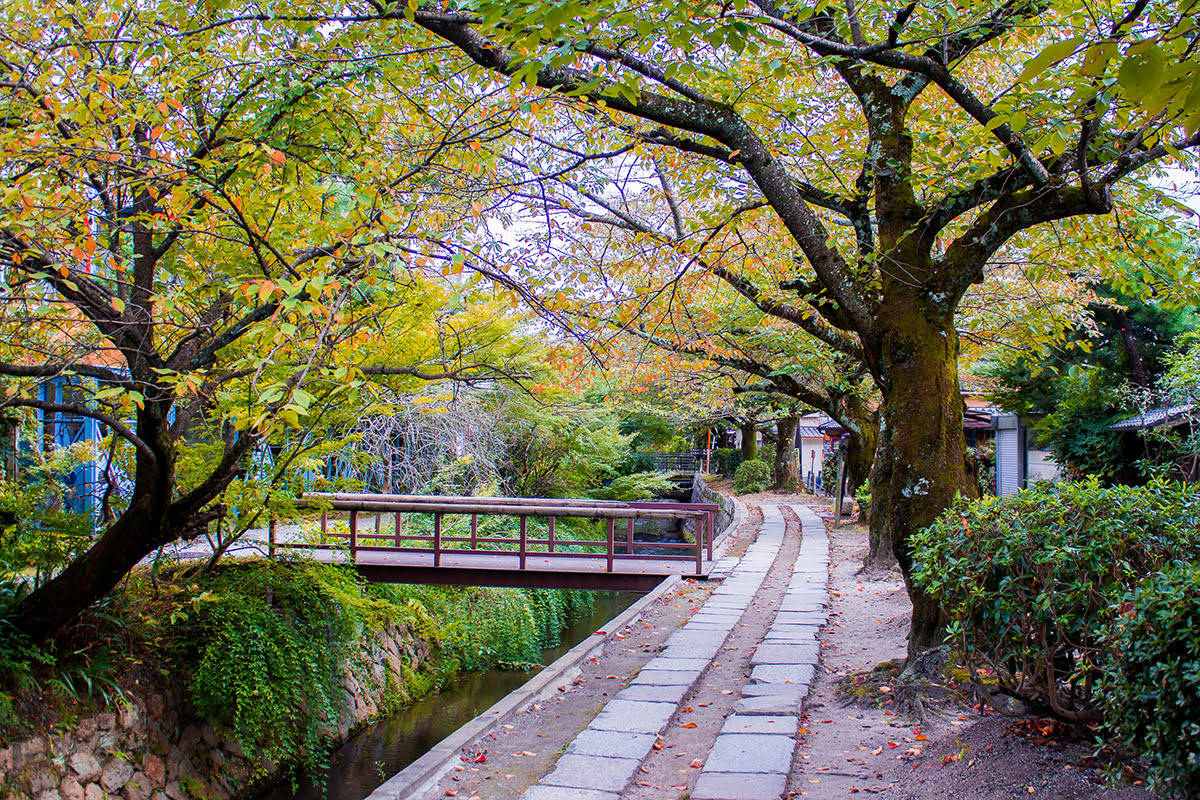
{"type": "Point", "coordinates": [727, 459]}
{"type": "Point", "coordinates": [1150, 685]}
{"type": "Point", "coordinates": [752, 476]}
{"type": "Point", "coordinates": [1030, 580]}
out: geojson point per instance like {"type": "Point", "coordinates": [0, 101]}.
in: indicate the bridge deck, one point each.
{"type": "Point", "coordinates": [542, 571]}
{"type": "Point", "coordinates": [516, 558]}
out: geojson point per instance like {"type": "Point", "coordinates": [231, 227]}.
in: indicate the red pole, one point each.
{"type": "Point", "coordinates": [437, 540]}
{"type": "Point", "coordinates": [611, 543]}
{"type": "Point", "coordinates": [522, 545]}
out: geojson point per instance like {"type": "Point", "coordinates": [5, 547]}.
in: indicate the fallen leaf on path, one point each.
{"type": "Point", "coordinates": [688, 725]}
{"type": "Point", "coordinates": [697, 763]}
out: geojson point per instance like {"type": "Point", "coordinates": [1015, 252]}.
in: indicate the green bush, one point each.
{"type": "Point", "coordinates": [751, 476]}
{"type": "Point", "coordinates": [1030, 580]}
{"type": "Point", "coordinates": [1150, 684]}
{"type": "Point", "coordinates": [726, 460]}
{"type": "Point", "coordinates": [272, 638]}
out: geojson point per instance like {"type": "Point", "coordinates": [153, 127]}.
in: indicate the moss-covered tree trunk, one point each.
{"type": "Point", "coordinates": [921, 435]}
{"type": "Point", "coordinates": [785, 472]}
{"type": "Point", "coordinates": [749, 441]}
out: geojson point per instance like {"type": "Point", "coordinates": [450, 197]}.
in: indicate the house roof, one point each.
{"type": "Point", "coordinates": [979, 417]}
{"type": "Point", "coordinates": [1163, 415]}
{"type": "Point", "coordinates": [811, 432]}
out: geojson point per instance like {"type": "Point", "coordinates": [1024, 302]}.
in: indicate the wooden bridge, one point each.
{"type": "Point", "coordinates": [388, 538]}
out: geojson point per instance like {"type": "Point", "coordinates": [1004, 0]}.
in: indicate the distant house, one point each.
{"type": "Point", "coordinates": [1137, 445]}
{"type": "Point", "coordinates": [1162, 418]}
{"type": "Point", "coordinates": [1019, 460]}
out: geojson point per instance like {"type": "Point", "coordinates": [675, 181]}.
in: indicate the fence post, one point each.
{"type": "Point", "coordinates": [271, 538]}
{"type": "Point", "coordinates": [378, 521]}
{"type": "Point", "coordinates": [551, 536]}
{"type": "Point", "coordinates": [611, 544]}
{"type": "Point", "coordinates": [699, 545]}
{"type": "Point", "coordinates": [437, 540]}
{"type": "Point", "coordinates": [712, 534]}
{"type": "Point", "coordinates": [324, 525]}
{"type": "Point", "coordinates": [353, 536]}
{"type": "Point", "coordinates": [522, 545]}
{"type": "Point", "coordinates": [629, 537]}
{"type": "Point", "coordinates": [399, 527]}
{"type": "Point", "coordinates": [474, 531]}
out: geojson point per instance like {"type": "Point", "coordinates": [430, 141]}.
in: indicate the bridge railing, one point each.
{"type": "Point", "coordinates": [405, 538]}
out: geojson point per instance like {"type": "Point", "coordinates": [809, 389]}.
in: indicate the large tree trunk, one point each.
{"type": "Point", "coordinates": [880, 552]}
{"type": "Point", "coordinates": [134, 535]}
{"type": "Point", "coordinates": [922, 431]}
{"type": "Point", "coordinates": [749, 441]}
{"type": "Point", "coordinates": [786, 476]}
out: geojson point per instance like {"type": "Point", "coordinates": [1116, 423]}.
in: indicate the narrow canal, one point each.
{"type": "Point", "coordinates": [383, 749]}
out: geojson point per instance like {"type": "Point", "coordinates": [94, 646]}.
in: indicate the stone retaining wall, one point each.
{"type": "Point", "coordinates": [154, 748]}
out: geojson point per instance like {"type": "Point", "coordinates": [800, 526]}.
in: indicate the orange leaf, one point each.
{"type": "Point", "coordinates": [688, 725]}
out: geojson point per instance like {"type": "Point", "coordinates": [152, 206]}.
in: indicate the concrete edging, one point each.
{"type": "Point", "coordinates": [419, 776]}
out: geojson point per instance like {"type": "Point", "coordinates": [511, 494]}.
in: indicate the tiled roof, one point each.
{"type": "Point", "coordinates": [1154, 417]}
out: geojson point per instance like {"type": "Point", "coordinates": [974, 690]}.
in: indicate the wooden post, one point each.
{"type": "Point", "coordinates": [324, 526]}
{"type": "Point", "coordinates": [699, 545]}
{"type": "Point", "coordinates": [474, 531]}
{"type": "Point", "coordinates": [629, 537]}
{"type": "Point", "coordinates": [712, 534]}
{"type": "Point", "coordinates": [521, 550]}
{"type": "Point", "coordinates": [840, 487]}
{"type": "Point", "coordinates": [378, 521]}
{"type": "Point", "coordinates": [611, 544]}
{"type": "Point", "coordinates": [437, 540]}
{"type": "Point", "coordinates": [353, 536]}
{"type": "Point", "coordinates": [551, 536]}
{"type": "Point", "coordinates": [399, 528]}
{"type": "Point", "coordinates": [271, 538]}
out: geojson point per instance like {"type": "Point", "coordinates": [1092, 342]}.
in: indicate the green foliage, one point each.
{"type": "Point", "coordinates": [982, 461]}
{"type": "Point", "coordinates": [561, 451]}
{"type": "Point", "coordinates": [862, 496]}
{"type": "Point", "coordinates": [829, 474]}
{"type": "Point", "coordinates": [1150, 685]}
{"type": "Point", "coordinates": [480, 627]}
{"type": "Point", "coordinates": [37, 539]}
{"type": "Point", "coordinates": [268, 641]}
{"type": "Point", "coordinates": [766, 452]}
{"type": "Point", "coordinates": [1030, 580]}
{"type": "Point", "coordinates": [752, 476]}
{"type": "Point", "coordinates": [727, 459]}
{"type": "Point", "coordinates": [637, 486]}
{"type": "Point", "coordinates": [1077, 431]}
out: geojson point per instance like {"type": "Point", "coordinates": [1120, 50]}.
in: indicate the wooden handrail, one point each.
{"type": "Point", "coordinates": [700, 514]}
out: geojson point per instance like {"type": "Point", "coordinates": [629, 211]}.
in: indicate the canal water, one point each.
{"type": "Point", "coordinates": [391, 744]}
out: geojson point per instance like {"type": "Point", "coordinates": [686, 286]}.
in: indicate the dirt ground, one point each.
{"type": "Point", "coordinates": [956, 752]}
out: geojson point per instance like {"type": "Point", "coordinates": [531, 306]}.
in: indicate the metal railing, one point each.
{"type": "Point", "coordinates": [404, 538]}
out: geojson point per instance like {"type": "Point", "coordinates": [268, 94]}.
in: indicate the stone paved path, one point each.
{"type": "Point", "coordinates": [752, 754]}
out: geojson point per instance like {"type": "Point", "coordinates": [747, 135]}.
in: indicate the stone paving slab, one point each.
{"type": "Point", "coordinates": [783, 673]}
{"type": "Point", "coordinates": [666, 677]}
{"type": "Point", "coordinates": [618, 744]}
{"type": "Point", "coordinates": [539, 792]}
{"type": "Point", "coordinates": [738, 723]}
{"type": "Point", "coordinates": [656, 694]}
{"type": "Point", "coordinates": [739, 786]}
{"type": "Point", "coordinates": [633, 716]}
{"type": "Point", "coordinates": [662, 662]}
{"type": "Point", "coordinates": [751, 752]}
{"type": "Point", "coordinates": [785, 654]}
{"type": "Point", "coordinates": [772, 705]}
{"type": "Point", "coordinates": [592, 772]}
